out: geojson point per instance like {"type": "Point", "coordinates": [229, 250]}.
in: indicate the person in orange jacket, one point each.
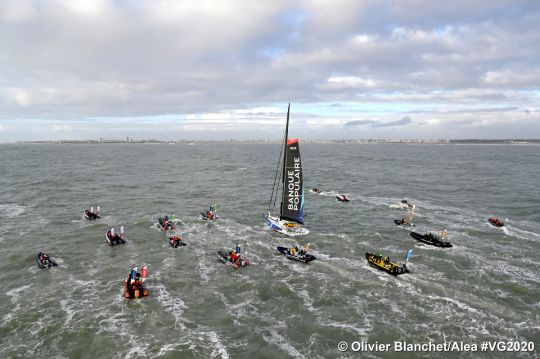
{"type": "Point", "coordinates": [136, 288]}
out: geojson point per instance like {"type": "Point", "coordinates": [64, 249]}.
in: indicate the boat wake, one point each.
{"type": "Point", "coordinates": [328, 193]}
{"type": "Point", "coordinates": [521, 234]}
{"type": "Point", "coordinates": [272, 336]}
{"type": "Point", "coordinates": [172, 303]}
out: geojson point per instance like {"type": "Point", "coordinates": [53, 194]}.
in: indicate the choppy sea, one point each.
{"type": "Point", "coordinates": [485, 288]}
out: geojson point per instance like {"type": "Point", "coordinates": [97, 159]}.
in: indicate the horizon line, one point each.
{"type": "Point", "coordinates": [367, 140]}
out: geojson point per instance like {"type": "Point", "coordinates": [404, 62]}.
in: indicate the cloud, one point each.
{"type": "Point", "coordinates": [13, 11]}
{"type": "Point", "coordinates": [349, 82]}
{"type": "Point", "coordinates": [359, 122]}
{"type": "Point", "coordinates": [239, 62]}
{"type": "Point", "coordinates": [19, 97]}
{"type": "Point", "coordinates": [402, 122]}
{"type": "Point", "coordinates": [62, 128]}
{"type": "Point", "coordinates": [506, 77]}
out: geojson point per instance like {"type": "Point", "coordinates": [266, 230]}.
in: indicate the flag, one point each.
{"type": "Point", "coordinates": [409, 255]}
{"type": "Point", "coordinates": [134, 272]}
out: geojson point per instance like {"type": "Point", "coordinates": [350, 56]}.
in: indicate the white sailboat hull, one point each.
{"type": "Point", "coordinates": [288, 228]}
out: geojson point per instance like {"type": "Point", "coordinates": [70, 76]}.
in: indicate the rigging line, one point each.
{"type": "Point", "coordinates": [275, 179]}
{"type": "Point", "coordinates": [277, 183]}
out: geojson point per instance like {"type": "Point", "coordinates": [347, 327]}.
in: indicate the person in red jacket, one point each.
{"type": "Point", "coordinates": [136, 287]}
{"type": "Point", "coordinates": [175, 241]}
{"type": "Point", "coordinates": [234, 256]}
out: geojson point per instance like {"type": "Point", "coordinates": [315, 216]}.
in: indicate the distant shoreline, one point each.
{"type": "Point", "coordinates": [368, 141]}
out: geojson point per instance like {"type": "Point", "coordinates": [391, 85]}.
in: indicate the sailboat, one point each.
{"type": "Point", "coordinates": [290, 219]}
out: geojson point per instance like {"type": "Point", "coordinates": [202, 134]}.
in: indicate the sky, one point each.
{"type": "Point", "coordinates": [226, 69]}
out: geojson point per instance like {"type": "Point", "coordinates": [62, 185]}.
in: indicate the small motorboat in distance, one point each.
{"type": "Point", "coordinates": [176, 241]}
{"type": "Point", "coordinates": [297, 254]}
{"type": "Point", "coordinates": [113, 238]}
{"type": "Point", "coordinates": [403, 222]}
{"type": "Point", "coordinates": [90, 214]}
{"type": "Point", "coordinates": [44, 261]}
{"type": "Point", "coordinates": [233, 257]}
{"type": "Point", "coordinates": [431, 239]}
{"type": "Point", "coordinates": [165, 223]}
{"type": "Point", "coordinates": [496, 222]}
{"type": "Point", "coordinates": [404, 204]}
{"type": "Point", "coordinates": [384, 264]}
{"type": "Point", "coordinates": [211, 214]}
{"type": "Point", "coordinates": [133, 284]}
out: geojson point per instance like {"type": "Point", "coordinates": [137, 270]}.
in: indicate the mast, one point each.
{"type": "Point", "coordinates": [275, 186]}
{"type": "Point", "coordinates": [285, 152]}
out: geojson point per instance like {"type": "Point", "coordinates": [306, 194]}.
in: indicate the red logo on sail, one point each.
{"type": "Point", "coordinates": [292, 141]}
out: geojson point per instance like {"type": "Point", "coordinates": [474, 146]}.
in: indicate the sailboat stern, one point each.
{"type": "Point", "coordinates": [288, 228]}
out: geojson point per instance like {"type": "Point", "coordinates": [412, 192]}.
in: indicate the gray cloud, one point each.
{"type": "Point", "coordinates": [88, 59]}
{"type": "Point", "coordinates": [402, 122]}
{"type": "Point", "coordinates": [359, 123]}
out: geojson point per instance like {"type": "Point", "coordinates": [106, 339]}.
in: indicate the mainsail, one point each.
{"type": "Point", "coordinates": [292, 205]}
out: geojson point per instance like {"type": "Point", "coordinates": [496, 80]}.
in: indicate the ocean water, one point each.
{"type": "Point", "coordinates": [485, 288]}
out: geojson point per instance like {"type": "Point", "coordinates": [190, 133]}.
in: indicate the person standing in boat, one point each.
{"type": "Point", "coordinates": [304, 250]}
{"type": "Point", "coordinates": [234, 257]}
{"type": "Point", "coordinates": [443, 234]}
{"type": "Point", "coordinates": [44, 258]}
